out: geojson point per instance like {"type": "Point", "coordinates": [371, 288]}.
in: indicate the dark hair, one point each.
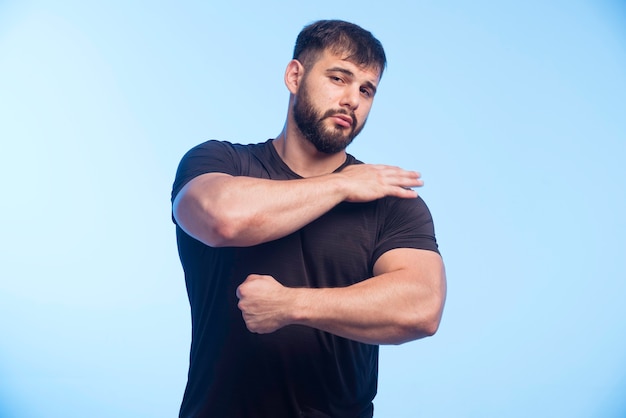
{"type": "Point", "coordinates": [353, 42]}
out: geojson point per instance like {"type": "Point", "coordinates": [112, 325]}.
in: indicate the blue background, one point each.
{"type": "Point", "coordinates": [513, 111]}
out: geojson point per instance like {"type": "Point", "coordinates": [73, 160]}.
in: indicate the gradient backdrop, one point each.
{"type": "Point", "coordinates": [515, 113]}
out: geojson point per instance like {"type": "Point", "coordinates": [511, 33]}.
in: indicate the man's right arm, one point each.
{"type": "Point", "coordinates": [221, 210]}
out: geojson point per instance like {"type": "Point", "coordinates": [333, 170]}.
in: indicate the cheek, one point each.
{"type": "Point", "coordinates": [330, 100]}
{"type": "Point", "coordinates": [362, 113]}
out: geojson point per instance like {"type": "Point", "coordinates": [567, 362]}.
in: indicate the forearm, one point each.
{"type": "Point", "coordinates": [245, 211]}
{"type": "Point", "coordinates": [222, 210]}
{"type": "Point", "coordinates": [387, 309]}
{"type": "Point", "coordinates": [402, 302]}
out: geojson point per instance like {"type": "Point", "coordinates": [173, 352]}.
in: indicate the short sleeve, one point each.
{"type": "Point", "coordinates": [208, 157]}
{"type": "Point", "coordinates": [407, 223]}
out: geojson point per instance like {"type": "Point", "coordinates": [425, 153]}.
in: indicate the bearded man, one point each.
{"type": "Point", "coordinates": [300, 260]}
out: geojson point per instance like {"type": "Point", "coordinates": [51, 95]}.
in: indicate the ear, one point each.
{"type": "Point", "coordinates": [293, 75]}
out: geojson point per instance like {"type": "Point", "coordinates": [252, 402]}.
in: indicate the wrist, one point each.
{"type": "Point", "coordinates": [339, 185]}
{"type": "Point", "coordinates": [299, 305]}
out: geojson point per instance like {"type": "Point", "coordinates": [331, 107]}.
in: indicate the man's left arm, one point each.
{"type": "Point", "coordinates": [402, 302]}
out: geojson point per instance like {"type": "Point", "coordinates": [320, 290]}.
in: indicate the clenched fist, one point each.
{"type": "Point", "coordinates": [264, 303]}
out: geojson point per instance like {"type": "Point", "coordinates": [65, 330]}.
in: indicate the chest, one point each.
{"type": "Point", "coordinates": [334, 250]}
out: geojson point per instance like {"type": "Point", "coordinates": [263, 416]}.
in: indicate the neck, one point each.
{"type": "Point", "coordinates": [302, 157]}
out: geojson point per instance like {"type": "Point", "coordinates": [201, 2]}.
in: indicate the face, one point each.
{"type": "Point", "coordinates": [333, 101]}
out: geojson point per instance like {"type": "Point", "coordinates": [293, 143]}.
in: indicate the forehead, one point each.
{"type": "Point", "coordinates": [328, 60]}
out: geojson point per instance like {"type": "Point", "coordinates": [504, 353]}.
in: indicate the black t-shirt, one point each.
{"type": "Point", "coordinates": [296, 371]}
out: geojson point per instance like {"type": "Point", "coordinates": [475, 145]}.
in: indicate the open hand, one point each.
{"type": "Point", "coordinates": [367, 182]}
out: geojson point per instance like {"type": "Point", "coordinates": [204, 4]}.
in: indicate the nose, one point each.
{"type": "Point", "coordinates": [351, 98]}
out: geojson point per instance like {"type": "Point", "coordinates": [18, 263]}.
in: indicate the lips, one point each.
{"type": "Point", "coordinates": [342, 120]}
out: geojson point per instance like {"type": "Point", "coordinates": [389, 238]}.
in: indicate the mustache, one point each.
{"type": "Point", "coordinates": [333, 112]}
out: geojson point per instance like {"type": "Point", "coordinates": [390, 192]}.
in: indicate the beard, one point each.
{"type": "Point", "coordinates": [327, 140]}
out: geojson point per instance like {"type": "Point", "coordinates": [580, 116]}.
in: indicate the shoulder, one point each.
{"type": "Point", "coordinates": [350, 160]}
{"type": "Point", "coordinates": [214, 146]}
{"type": "Point", "coordinates": [405, 223]}
{"type": "Point", "coordinates": [215, 151]}
{"type": "Point", "coordinates": [216, 156]}
{"type": "Point", "coordinates": [413, 211]}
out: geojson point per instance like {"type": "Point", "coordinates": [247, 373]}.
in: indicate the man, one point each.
{"type": "Point", "coordinates": [299, 260]}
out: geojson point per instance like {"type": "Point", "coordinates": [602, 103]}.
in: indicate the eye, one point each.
{"type": "Point", "coordinates": [336, 79]}
{"type": "Point", "coordinates": [366, 92]}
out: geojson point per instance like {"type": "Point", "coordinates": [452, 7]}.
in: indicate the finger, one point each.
{"type": "Point", "coordinates": [416, 183]}
{"type": "Point", "coordinates": [406, 183]}
{"type": "Point", "coordinates": [412, 175]}
{"type": "Point", "coordinates": [404, 193]}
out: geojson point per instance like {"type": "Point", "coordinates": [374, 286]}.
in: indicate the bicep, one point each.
{"type": "Point", "coordinates": [423, 268]}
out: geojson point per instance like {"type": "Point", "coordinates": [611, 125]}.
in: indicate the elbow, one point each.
{"type": "Point", "coordinates": [425, 317]}
{"type": "Point", "coordinates": [229, 230]}
{"type": "Point", "coordinates": [430, 321]}
{"type": "Point", "coordinates": [220, 233]}
{"type": "Point", "coordinates": [421, 323]}
{"type": "Point", "coordinates": [425, 327]}
{"type": "Point", "coordinates": [417, 331]}
{"type": "Point", "coordinates": [199, 221]}
{"type": "Point", "coordinates": [431, 318]}
{"type": "Point", "coordinates": [219, 229]}
{"type": "Point", "coordinates": [430, 328]}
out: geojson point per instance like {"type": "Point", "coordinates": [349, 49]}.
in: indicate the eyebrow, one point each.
{"type": "Point", "coordinates": [350, 74]}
